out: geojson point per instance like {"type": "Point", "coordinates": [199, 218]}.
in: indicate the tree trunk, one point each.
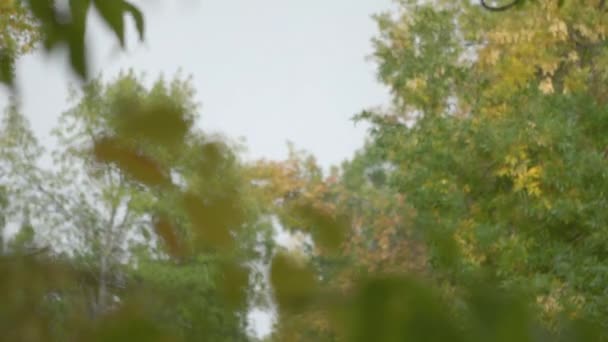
{"type": "Point", "coordinates": [102, 294]}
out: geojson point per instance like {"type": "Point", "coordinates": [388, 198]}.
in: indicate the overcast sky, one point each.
{"type": "Point", "coordinates": [265, 70]}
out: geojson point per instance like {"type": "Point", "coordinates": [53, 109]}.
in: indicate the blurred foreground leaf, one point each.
{"type": "Point", "coordinates": [294, 283]}
{"type": "Point", "coordinates": [135, 164]}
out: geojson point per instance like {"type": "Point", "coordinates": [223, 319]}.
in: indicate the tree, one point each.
{"type": "Point", "coordinates": [109, 184]}
{"type": "Point", "coordinates": [493, 149]}
{"type": "Point", "coordinates": [19, 153]}
{"type": "Point", "coordinates": [104, 197]}
{"type": "Point", "coordinates": [495, 140]}
{"type": "Point", "coordinates": [495, 144]}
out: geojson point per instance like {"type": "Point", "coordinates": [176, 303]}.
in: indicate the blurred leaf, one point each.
{"type": "Point", "coordinates": [212, 220]}
{"type": "Point", "coordinates": [294, 283]}
{"type": "Point", "coordinates": [112, 12]}
{"type": "Point", "coordinates": [234, 284]}
{"type": "Point", "coordinates": [329, 230]}
{"type": "Point", "coordinates": [7, 67]}
{"type": "Point", "coordinates": [501, 317]}
{"type": "Point", "coordinates": [400, 309]}
{"type": "Point", "coordinates": [213, 156]}
{"type": "Point", "coordinates": [75, 36]}
{"type": "Point", "coordinates": [160, 123]}
{"type": "Point", "coordinates": [167, 232]}
{"type": "Point", "coordinates": [44, 10]}
{"type": "Point", "coordinates": [69, 28]}
{"type": "Point", "coordinates": [129, 323]}
{"type": "Point", "coordinates": [138, 17]}
{"type": "Point", "coordinates": [140, 167]}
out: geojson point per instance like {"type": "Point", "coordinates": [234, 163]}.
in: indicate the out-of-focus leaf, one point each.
{"type": "Point", "coordinates": [167, 232]}
{"type": "Point", "coordinates": [400, 309]}
{"type": "Point", "coordinates": [25, 283]}
{"type": "Point", "coordinates": [70, 28]}
{"type": "Point", "coordinates": [138, 17]}
{"type": "Point", "coordinates": [328, 230]}
{"type": "Point", "coordinates": [112, 12]}
{"type": "Point", "coordinates": [6, 5]}
{"type": "Point", "coordinates": [138, 166]}
{"type": "Point", "coordinates": [501, 317]}
{"type": "Point", "coordinates": [212, 220]}
{"type": "Point", "coordinates": [233, 284]}
{"type": "Point", "coordinates": [160, 123]}
{"type": "Point", "coordinates": [44, 10]}
{"type": "Point", "coordinates": [213, 157]}
{"type": "Point", "coordinates": [130, 323]}
{"type": "Point", "coordinates": [294, 283]}
{"type": "Point", "coordinates": [7, 67]}
{"type": "Point", "coordinates": [75, 36]}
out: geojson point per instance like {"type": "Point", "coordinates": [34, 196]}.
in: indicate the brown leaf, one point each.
{"type": "Point", "coordinates": [138, 166]}
{"type": "Point", "coordinates": [166, 231]}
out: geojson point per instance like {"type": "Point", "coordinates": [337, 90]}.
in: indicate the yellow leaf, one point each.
{"type": "Point", "coordinates": [546, 86]}
{"type": "Point", "coordinates": [503, 171]}
{"type": "Point", "coordinates": [573, 56]}
{"type": "Point", "coordinates": [415, 83]}
{"type": "Point", "coordinates": [535, 172]}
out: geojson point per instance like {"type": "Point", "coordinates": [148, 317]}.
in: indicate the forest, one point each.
{"type": "Point", "coordinates": [477, 209]}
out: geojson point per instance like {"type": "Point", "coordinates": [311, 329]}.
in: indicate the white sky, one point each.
{"type": "Point", "coordinates": [266, 70]}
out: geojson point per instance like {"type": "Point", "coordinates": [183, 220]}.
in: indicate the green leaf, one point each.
{"type": "Point", "coordinates": [112, 12]}
{"type": "Point", "coordinates": [7, 67]}
{"type": "Point", "coordinates": [212, 220]}
{"type": "Point", "coordinates": [294, 283]}
{"type": "Point", "coordinates": [75, 36]}
{"type": "Point", "coordinates": [235, 279]}
{"type": "Point", "coordinates": [327, 230]}
{"type": "Point", "coordinates": [162, 123]}
{"type": "Point", "coordinates": [138, 17]}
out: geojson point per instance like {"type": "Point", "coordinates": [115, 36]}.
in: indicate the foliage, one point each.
{"type": "Point", "coordinates": [504, 162]}
{"type": "Point", "coordinates": [185, 300]}
{"type": "Point", "coordinates": [475, 212]}
{"type": "Point", "coordinates": [105, 205]}
{"type": "Point", "coordinates": [19, 32]}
